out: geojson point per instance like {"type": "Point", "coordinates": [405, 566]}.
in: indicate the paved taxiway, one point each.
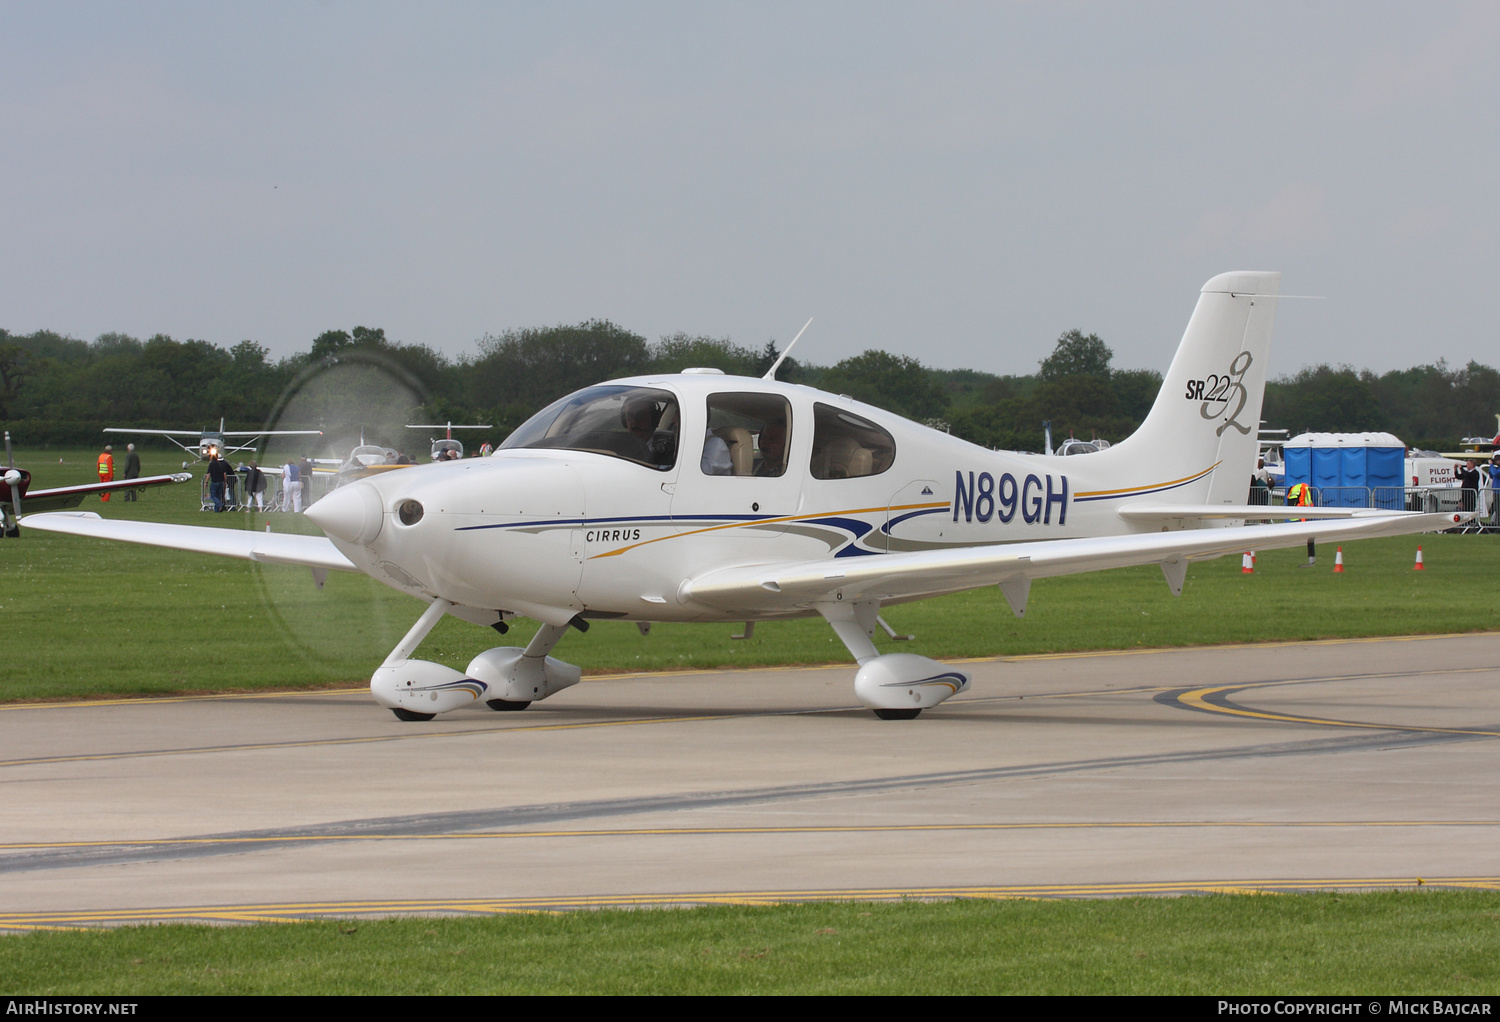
{"type": "Point", "coordinates": [1352, 764]}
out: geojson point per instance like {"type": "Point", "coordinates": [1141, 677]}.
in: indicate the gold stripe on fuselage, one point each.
{"type": "Point", "coordinates": [1126, 491]}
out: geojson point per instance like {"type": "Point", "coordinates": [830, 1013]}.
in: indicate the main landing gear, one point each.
{"type": "Point", "coordinates": [897, 686]}
{"type": "Point", "coordinates": [505, 678]}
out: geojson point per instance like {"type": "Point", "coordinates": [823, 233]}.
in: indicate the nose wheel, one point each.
{"type": "Point", "coordinates": [507, 704]}
{"type": "Point", "coordinates": [884, 714]}
{"type": "Point", "coordinates": [409, 715]}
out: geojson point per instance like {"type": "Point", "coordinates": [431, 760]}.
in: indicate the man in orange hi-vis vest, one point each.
{"type": "Point", "coordinates": [106, 468]}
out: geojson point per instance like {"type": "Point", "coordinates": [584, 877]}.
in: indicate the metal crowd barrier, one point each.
{"type": "Point", "coordinates": [233, 488]}
{"type": "Point", "coordinates": [1428, 499]}
{"type": "Point", "coordinates": [1431, 499]}
{"type": "Point", "coordinates": [237, 497]}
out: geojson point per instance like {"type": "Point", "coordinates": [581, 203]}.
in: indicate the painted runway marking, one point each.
{"type": "Point", "coordinates": [275, 912]}
{"type": "Point", "coordinates": [1215, 699]}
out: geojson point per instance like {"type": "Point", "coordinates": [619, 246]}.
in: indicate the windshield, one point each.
{"type": "Point", "coordinates": [639, 424]}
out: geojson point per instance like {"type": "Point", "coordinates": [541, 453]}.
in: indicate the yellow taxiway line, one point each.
{"type": "Point", "coordinates": [277, 912]}
{"type": "Point", "coordinates": [1198, 699]}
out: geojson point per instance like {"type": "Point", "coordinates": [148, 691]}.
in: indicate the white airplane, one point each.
{"type": "Point", "coordinates": [205, 443]}
{"type": "Point", "coordinates": [15, 484]}
{"type": "Point", "coordinates": [703, 497]}
{"type": "Point", "coordinates": [447, 449]}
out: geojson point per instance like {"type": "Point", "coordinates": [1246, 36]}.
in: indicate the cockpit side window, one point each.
{"type": "Point", "coordinates": [747, 435]}
{"type": "Point", "coordinates": [638, 424]}
{"type": "Point", "coordinates": [846, 445]}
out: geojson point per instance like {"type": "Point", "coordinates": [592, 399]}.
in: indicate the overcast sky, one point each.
{"type": "Point", "coordinates": [960, 182]}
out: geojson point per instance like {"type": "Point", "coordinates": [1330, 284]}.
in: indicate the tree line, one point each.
{"type": "Point", "coordinates": [62, 390]}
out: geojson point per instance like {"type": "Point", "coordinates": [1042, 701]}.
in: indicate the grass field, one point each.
{"type": "Point", "coordinates": [110, 618]}
{"type": "Point", "coordinates": [1409, 943]}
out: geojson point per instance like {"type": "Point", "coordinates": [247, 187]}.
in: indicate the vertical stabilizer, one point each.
{"type": "Point", "coordinates": [1205, 424]}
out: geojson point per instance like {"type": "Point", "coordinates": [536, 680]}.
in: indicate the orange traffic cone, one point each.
{"type": "Point", "coordinates": [1418, 566]}
{"type": "Point", "coordinates": [1338, 561]}
{"type": "Point", "coordinates": [1247, 565]}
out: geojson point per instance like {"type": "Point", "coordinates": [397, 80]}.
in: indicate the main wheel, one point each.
{"type": "Point", "coordinates": [411, 714]}
{"type": "Point", "coordinates": [507, 704]}
{"type": "Point", "coordinates": [898, 714]}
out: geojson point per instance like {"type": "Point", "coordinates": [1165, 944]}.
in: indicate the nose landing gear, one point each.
{"type": "Point", "coordinates": [511, 677]}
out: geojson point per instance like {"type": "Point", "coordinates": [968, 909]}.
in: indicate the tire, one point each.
{"type": "Point", "coordinates": [507, 704]}
{"type": "Point", "coordinates": [411, 714]}
{"type": "Point", "coordinates": [898, 714]}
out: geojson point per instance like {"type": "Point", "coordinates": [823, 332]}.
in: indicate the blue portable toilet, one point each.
{"type": "Point", "coordinates": [1348, 469]}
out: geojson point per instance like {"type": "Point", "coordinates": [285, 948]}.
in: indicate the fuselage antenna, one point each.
{"type": "Point", "coordinates": [771, 372]}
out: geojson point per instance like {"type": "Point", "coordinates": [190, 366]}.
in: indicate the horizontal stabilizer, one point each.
{"type": "Point", "coordinates": [262, 547]}
{"type": "Point", "coordinates": [1254, 512]}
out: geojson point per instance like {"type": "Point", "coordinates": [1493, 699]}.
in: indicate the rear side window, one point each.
{"type": "Point", "coordinates": [846, 446]}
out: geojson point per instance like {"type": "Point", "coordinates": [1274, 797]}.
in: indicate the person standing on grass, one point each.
{"type": "Point", "coordinates": [255, 487]}
{"type": "Point", "coordinates": [218, 475]}
{"type": "Point", "coordinates": [291, 486]}
{"type": "Point", "coordinates": [106, 468]}
{"type": "Point", "coordinates": [132, 469]}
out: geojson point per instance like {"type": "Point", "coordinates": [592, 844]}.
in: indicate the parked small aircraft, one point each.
{"type": "Point", "coordinates": [208, 442]}
{"type": "Point", "coordinates": [446, 448]}
{"type": "Point", "coordinates": [703, 497]}
{"type": "Point", "coordinates": [15, 486]}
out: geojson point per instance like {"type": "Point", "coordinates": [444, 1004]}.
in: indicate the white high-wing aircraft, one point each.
{"type": "Point", "coordinates": [205, 443]}
{"type": "Point", "coordinates": [704, 497]}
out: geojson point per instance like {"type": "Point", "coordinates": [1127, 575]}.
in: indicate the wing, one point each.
{"type": "Point", "coordinates": [194, 433]}
{"type": "Point", "coordinates": [272, 432]}
{"type": "Point", "coordinates": [60, 497]}
{"type": "Point", "coordinates": [772, 587]}
{"type": "Point", "coordinates": [315, 552]}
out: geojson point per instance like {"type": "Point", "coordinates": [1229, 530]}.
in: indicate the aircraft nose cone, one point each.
{"type": "Point", "coordinates": [351, 513]}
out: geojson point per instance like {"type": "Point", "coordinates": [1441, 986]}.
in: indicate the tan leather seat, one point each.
{"type": "Point", "coordinates": [741, 449]}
